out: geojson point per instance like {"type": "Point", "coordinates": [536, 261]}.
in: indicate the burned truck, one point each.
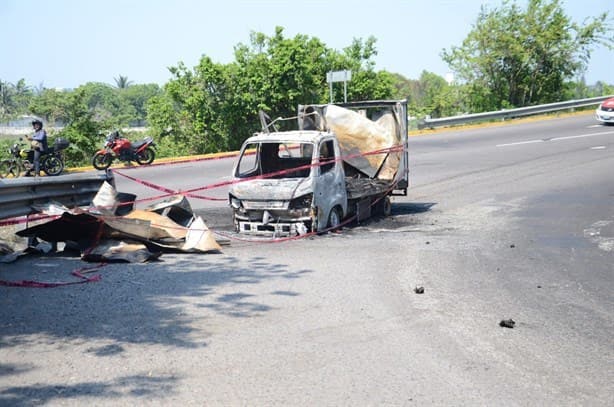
{"type": "Point", "coordinates": [344, 161]}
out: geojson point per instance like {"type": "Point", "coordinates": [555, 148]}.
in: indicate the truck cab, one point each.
{"type": "Point", "coordinates": [288, 183]}
{"type": "Point", "coordinates": [341, 161]}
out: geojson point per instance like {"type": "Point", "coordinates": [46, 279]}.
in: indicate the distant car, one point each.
{"type": "Point", "coordinates": [605, 112]}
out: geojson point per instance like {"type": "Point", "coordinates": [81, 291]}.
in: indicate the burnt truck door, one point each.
{"type": "Point", "coordinates": [329, 186]}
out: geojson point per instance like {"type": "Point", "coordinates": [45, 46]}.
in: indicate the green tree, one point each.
{"type": "Point", "coordinates": [430, 95]}
{"type": "Point", "coordinates": [51, 105]}
{"type": "Point", "coordinates": [23, 96]}
{"type": "Point", "coordinates": [106, 104]}
{"type": "Point", "coordinates": [367, 83]}
{"type": "Point", "coordinates": [84, 125]}
{"type": "Point", "coordinates": [90, 111]}
{"type": "Point", "coordinates": [274, 74]}
{"type": "Point", "coordinates": [86, 113]}
{"type": "Point", "coordinates": [514, 57]}
{"type": "Point", "coordinates": [164, 123]}
{"type": "Point", "coordinates": [431, 91]}
{"type": "Point", "coordinates": [138, 96]}
{"type": "Point", "coordinates": [215, 107]}
{"type": "Point", "coordinates": [403, 87]}
{"type": "Point", "coordinates": [601, 88]}
{"type": "Point", "coordinates": [189, 116]}
{"type": "Point", "coordinates": [6, 100]}
{"type": "Point", "coordinates": [122, 82]}
{"type": "Point", "coordinates": [14, 99]}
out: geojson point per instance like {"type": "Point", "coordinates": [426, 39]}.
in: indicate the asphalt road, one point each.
{"type": "Point", "coordinates": [513, 221]}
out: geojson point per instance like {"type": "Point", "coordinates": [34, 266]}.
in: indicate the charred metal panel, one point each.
{"type": "Point", "coordinates": [177, 208]}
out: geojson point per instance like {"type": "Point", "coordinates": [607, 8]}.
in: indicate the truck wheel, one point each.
{"type": "Point", "coordinates": [334, 218]}
{"type": "Point", "coordinates": [387, 206]}
{"type": "Point", "coordinates": [383, 207]}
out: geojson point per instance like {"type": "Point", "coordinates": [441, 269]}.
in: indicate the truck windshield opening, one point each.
{"type": "Point", "coordinates": [276, 160]}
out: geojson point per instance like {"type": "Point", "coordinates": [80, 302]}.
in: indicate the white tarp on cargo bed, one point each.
{"type": "Point", "coordinates": [358, 135]}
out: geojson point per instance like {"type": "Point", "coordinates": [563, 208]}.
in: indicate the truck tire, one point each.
{"type": "Point", "coordinates": [383, 207]}
{"type": "Point", "coordinates": [334, 219]}
{"type": "Point", "coordinates": [387, 206]}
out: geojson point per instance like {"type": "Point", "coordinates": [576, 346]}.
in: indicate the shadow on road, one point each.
{"type": "Point", "coordinates": [146, 387]}
{"type": "Point", "coordinates": [134, 303]}
{"type": "Point", "coordinates": [409, 208]}
{"type": "Point", "coordinates": [164, 303]}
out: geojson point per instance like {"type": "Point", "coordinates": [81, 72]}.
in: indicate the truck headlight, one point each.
{"type": "Point", "coordinates": [302, 202]}
{"type": "Point", "coordinates": [235, 203]}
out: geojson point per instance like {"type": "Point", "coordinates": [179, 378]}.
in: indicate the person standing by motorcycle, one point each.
{"type": "Point", "coordinates": [39, 145]}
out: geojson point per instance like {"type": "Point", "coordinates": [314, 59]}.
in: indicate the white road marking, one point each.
{"type": "Point", "coordinates": [520, 142]}
{"type": "Point", "coordinates": [582, 136]}
{"type": "Point", "coordinates": [555, 139]}
{"type": "Point", "coordinates": [598, 148]}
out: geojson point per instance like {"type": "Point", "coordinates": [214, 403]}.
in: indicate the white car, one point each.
{"type": "Point", "coordinates": [605, 112]}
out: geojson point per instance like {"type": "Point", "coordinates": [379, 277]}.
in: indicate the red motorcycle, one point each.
{"type": "Point", "coordinates": [118, 147]}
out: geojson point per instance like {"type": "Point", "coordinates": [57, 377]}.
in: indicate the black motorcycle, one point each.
{"type": "Point", "coordinates": [22, 159]}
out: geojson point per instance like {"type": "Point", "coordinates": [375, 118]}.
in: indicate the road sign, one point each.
{"type": "Point", "coordinates": [339, 76]}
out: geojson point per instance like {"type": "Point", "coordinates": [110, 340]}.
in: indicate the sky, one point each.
{"type": "Point", "coordinates": [67, 43]}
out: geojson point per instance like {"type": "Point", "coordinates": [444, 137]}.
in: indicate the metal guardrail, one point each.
{"type": "Point", "coordinates": [511, 113]}
{"type": "Point", "coordinates": [17, 195]}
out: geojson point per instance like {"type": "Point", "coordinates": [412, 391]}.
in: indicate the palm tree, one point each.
{"type": "Point", "coordinates": [122, 82]}
{"type": "Point", "coordinates": [7, 99]}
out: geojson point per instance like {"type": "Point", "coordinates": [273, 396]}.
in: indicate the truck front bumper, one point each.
{"type": "Point", "coordinates": [275, 230]}
{"type": "Point", "coordinates": [274, 223]}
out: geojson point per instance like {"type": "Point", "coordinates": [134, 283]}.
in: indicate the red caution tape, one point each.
{"type": "Point", "coordinates": [38, 284]}
{"type": "Point", "coordinates": [190, 192]}
{"type": "Point", "coordinates": [169, 192]}
{"type": "Point", "coordinates": [25, 219]}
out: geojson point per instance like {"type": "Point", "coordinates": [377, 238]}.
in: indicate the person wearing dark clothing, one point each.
{"type": "Point", "coordinates": [39, 145]}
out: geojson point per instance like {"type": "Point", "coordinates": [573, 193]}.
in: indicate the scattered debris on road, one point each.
{"type": "Point", "coordinates": [111, 230]}
{"type": "Point", "coordinates": [507, 323]}
{"type": "Point", "coordinates": [419, 290]}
